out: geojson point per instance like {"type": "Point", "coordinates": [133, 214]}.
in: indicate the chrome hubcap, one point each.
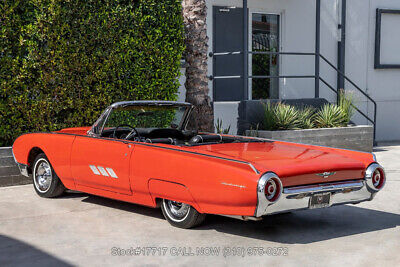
{"type": "Point", "coordinates": [177, 210]}
{"type": "Point", "coordinates": [43, 176]}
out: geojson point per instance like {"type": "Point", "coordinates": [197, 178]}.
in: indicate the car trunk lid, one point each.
{"type": "Point", "coordinates": [295, 164]}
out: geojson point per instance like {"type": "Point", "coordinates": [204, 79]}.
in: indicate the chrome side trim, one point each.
{"type": "Point", "coordinates": [254, 168]}
{"type": "Point", "coordinates": [161, 147]}
{"type": "Point", "coordinates": [191, 152]}
{"type": "Point", "coordinates": [234, 185]}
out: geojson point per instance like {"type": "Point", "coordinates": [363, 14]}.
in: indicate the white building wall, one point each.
{"type": "Point", "coordinates": [382, 85]}
{"type": "Point", "coordinates": [298, 35]}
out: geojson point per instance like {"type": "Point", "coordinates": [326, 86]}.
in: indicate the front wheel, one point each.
{"type": "Point", "coordinates": [181, 215]}
{"type": "Point", "coordinates": [45, 180]}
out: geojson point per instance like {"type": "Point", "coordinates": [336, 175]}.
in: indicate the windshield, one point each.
{"type": "Point", "coordinates": [162, 116]}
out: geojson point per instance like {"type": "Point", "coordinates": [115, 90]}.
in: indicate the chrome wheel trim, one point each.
{"type": "Point", "coordinates": [42, 175]}
{"type": "Point", "coordinates": [176, 211]}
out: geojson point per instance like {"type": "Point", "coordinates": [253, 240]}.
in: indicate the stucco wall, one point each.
{"type": "Point", "coordinates": [297, 35]}
{"type": "Point", "coordinates": [298, 29]}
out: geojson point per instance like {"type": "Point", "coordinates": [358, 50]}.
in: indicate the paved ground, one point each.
{"type": "Point", "coordinates": [79, 229]}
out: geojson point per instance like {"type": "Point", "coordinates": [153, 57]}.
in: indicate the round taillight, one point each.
{"type": "Point", "coordinates": [375, 177]}
{"type": "Point", "coordinates": [272, 189]}
{"type": "Point", "coordinates": [269, 190]}
{"type": "Point", "coordinates": [378, 178]}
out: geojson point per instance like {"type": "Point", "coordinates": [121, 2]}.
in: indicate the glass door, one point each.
{"type": "Point", "coordinates": [265, 35]}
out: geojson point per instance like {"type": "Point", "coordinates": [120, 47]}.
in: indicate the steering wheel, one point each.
{"type": "Point", "coordinates": [130, 134]}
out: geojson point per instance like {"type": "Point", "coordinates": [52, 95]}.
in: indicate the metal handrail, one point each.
{"type": "Point", "coordinates": [347, 79]}
{"type": "Point", "coordinates": [281, 53]}
{"type": "Point", "coordinates": [360, 90]}
{"type": "Point", "coordinates": [333, 89]}
{"type": "Point", "coordinates": [373, 121]}
{"type": "Point", "coordinates": [280, 76]}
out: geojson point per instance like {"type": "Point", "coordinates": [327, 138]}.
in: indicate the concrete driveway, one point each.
{"type": "Point", "coordinates": [79, 229]}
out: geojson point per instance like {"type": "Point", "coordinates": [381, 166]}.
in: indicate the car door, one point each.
{"type": "Point", "coordinates": [101, 163]}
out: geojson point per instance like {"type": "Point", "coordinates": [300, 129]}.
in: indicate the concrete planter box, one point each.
{"type": "Point", "coordinates": [9, 172]}
{"type": "Point", "coordinates": [352, 137]}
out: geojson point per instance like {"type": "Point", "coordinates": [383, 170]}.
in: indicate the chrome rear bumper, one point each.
{"type": "Point", "coordinates": [298, 197]}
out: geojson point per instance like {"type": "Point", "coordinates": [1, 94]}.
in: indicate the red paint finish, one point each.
{"type": "Point", "coordinates": [104, 156]}
{"type": "Point", "coordinates": [167, 190]}
{"type": "Point", "coordinates": [215, 179]}
{"type": "Point", "coordinates": [57, 148]}
{"type": "Point", "coordinates": [295, 164]}
{"type": "Point", "coordinates": [76, 130]}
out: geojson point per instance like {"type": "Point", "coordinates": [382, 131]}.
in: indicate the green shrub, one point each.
{"type": "Point", "coordinates": [269, 122]}
{"type": "Point", "coordinates": [329, 116]}
{"type": "Point", "coordinates": [281, 116]}
{"type": "Point", "coordinates": [286, 117]}
{"type": "Point", "coordinates": [63, 62]}
{"type": "Point", "coordinates": [306, 117]}
{"type": "Point", "coordinates": [219, 129]}
{"type": "Point", "coordinates": [346, 104]}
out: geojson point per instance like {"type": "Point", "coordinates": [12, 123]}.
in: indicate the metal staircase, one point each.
{"type": "Point", "coordinates": [316, 76]}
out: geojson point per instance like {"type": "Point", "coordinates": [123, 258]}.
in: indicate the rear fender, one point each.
{"type": "Point", "coordinates": [160, 189]}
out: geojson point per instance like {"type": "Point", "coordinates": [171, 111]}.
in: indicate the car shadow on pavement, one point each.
{"type": "Point", "coordinates": [308, 226]}
{"type": "Point", "coordinates": [18, 253]}
{"type": "Point", "coordinates": [73, 194]}
{"type": "Point", "coordinates": [300, 227]}
{"type": "Point", "coordinates": [126, 206]}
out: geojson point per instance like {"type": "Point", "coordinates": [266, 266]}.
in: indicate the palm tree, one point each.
{"type": "Point", "coordinates": [194, 14]}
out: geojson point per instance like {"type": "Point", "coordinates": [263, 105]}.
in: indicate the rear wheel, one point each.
{"type": "Point", "coordinates": [45, 180]}
{"type": "Point", "coordinates": [180, 214]}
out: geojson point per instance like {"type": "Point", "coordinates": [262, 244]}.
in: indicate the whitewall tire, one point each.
{"type": "Point", "coordinates": [180, 214]}
{"type": "Point", "coordinates": [45, 180]}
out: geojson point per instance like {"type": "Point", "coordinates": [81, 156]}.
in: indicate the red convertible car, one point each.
{"type": "Point", "coordinates": [143, 152]}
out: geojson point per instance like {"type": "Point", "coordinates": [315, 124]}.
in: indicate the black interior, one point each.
{"type": "Point", "coordinates": [170, 136]}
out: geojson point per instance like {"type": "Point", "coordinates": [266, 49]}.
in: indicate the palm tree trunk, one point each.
{"type": "Point", "coordinates": [194, 14]}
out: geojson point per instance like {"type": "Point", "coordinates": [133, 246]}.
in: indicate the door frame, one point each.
{"type": "Point", "coordinates": [281, 13]}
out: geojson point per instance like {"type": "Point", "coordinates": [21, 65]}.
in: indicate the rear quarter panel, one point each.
{"type": "Point", "coordinates": [216, 186]}
{"type": "Point", "coordinates": [57, 148]}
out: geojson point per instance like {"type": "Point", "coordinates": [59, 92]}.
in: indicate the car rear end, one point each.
{"type": "Point", "coordinates": [274, 197]}
{"type": "Point", "coordinates": [296, 176]}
